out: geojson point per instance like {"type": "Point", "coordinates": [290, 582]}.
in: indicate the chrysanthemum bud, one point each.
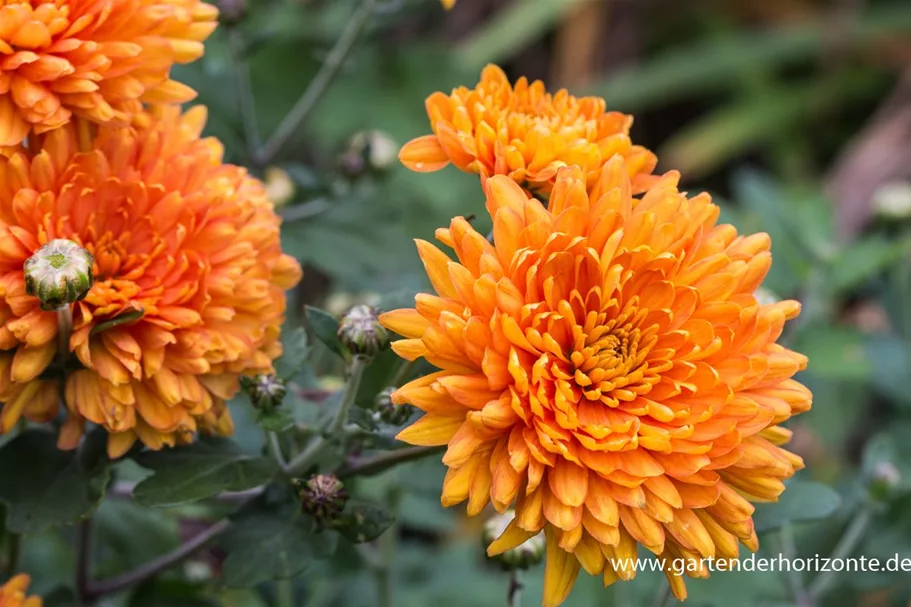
{"type": "Point", "coordinates": [323, 497]}
{"type": "Point", "coordinates": [892, 201]}
{"type": "Point", "coordinates": [59, 273]}
{"type": "Point", "coordinates": [373, 149]}
{"type": "Point", "coordinates": [360, 331]}
{"type": "Point", "coordinates": [884, 479]}
{"type": "Point", "coordinates": [279, 186]}
{"type": "Point", "coordinates": [765, 297]}
{"type": "Point", "coordinates": [523, 556]}
{"type": "Point", "coordinates": [265, 391]}
{"type": "Point", "coordinates": [386, 412]}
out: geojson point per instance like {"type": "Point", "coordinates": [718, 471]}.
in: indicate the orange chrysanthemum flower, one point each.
{"type": "Point", "coordinates": [525, 133]}
{"type": "Point", "coordinates": [98, 59]}
{"type": "Point", "coordinates": [12, 594]}
{"type": "Point", "coordinates": [189, 243]}
{"type": "Point", "coordinates": [607, 369]}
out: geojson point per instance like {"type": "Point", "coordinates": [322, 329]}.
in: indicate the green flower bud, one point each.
{"type": "Point", "coordinates": [884, 480]}
{"type": "Point", "coordinates": [323, 497]}
{"type": "Point", "coordinates": [360, 331]}
{"type": "Point", "coordinates": [523, 556]}
{"type": "Point", "coordinates": [375, 150]}
{"type": "Point", "coordinates": [384, 411]}
{"type": "Point", "coordinates": [265, 391]}
{"type": "Point", "coordinates": [59, 274]}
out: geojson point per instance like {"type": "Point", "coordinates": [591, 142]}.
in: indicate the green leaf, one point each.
{"type": "Point", "coordinates": [270, 545]}
{"type": "Point", "coordinates": [801, 501]}
{"type": "Point", "coordinates": [363, 522]}
{"type": "Point", "coordinates": [834, 352]}
{"type": "Point", "coordinates": [202, 470]}
{"type": "Point", "coordinates": [890, 360]}
{"type": "Point", "coordinates": [863, 260]}
{"type": "Point", "coordinates": [276, 420]}
{"type": "Point", "coordinates": [43, 486]}
{"type": "Point", "coordinates": [511, 29]}
{"type": "Point", "coordinates": [325, 327]}
{"type": "Point", "coordinates": [295, 351]}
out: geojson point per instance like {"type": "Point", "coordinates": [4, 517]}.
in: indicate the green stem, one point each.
{"type": "Point", "coordinates": [245, 100]}
{"type": "Point", "coordinates": [275, 448]}
{"type": "Point", "coordinates": [306, 458]}
{"type": "Point", "coordinates": [380, 463]}
{"type": "Point", "coordinates": [852, 536]}
{"type": "Point", "coordinates": [789, 548]}
{"type": "Point", "coordinates": [663, 595]}
{"type": "Point", "coordinates": [318, 85]}
{"type": "Point", "coordinates": [514, 595]}
{"type": "Point", "coordinates": [284, 593]}
{"type": "Point", "coordinates": [64, 331]}
{"type": "Point", "coordinates": [385, 573]}
{"type": "Point", "coordinates": [402, 373]}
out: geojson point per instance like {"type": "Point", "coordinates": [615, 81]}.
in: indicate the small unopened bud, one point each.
{"type": "Point", "coordinates": [892, 201]}
{"type": "Point", "coordinates": [528, 553]}
{"type": "Point", "coordinates": [59, 273]}
{"type": "Point", "coordinates": [265, 391]}
{"type": "Point", "coordinates": [385, 411]}
{"type": "Point", "coordinates": [884, 479]}
{"type": "Point", "coordinates": [765, 297]}
{"type": "Point", "coordinates": [279, 186]}
{"type": "Point", "coordinates": [369, 149]}
{"type": "Point", "coordinates": [232, 11]}
{"type": "Point", "coordinates": [361, 332]}
{"type": "Point", "coordinates": [323, 497]}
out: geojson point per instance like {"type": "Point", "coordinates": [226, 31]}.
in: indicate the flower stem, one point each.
{"type": "Point", "coordinates": [83, 557]}
{"type": "Point", "coordinates": [245, 100]}
{"type": "Point", "coordinates": [402, 373]}
{"type": "Point", "coordinates": [369, 466]}
{"type": "Point", "coordinates": [852, 536]}
{"type": "Point", "coordinates": [788, 547]}
{"type": "Point", "coordinates": [284, 593]}
{"type": "Point", "coordinates": [514, 594]}
{"type": "Point", "coordinates": [94, 589]}
{"type": "Point", "coordinates": [64, 330]}
{"type": "Point", "coordinates": [318, 85]}
{"type": "Point", "coordinates": [275, 449]}
{"type": "Point", "coordinates": [303, 460]}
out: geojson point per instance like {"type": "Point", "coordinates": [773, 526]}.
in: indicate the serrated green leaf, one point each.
{"type": "Point", "coordinates": [277, 420]}
{"type": "Point", "coordinates": [295, 351]}
{"type": "Point", "coordinates": [363, 522]}
{"type": "Point", "coordinates": [43, 486]}
{"type": "Point", "coordinates": [202, 470]}
{"type": "Point", "coordinates": [325, 328]}
{"type": "Point", "coordinates": [269, 545]}
{"type": "Point", "coordinates": [801, 501]}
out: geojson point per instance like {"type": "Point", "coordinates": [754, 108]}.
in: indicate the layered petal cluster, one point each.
{"type": "Point", "coordinates": [12, 594]}
{"type": "Point", "coordinates": [189, 281]}
{"type": "Point", "coordinates": [526, 133]}
{"type": "Point", "coordinates": [606, 369]}
{"type": "Point", "coordinates": [98, 59]}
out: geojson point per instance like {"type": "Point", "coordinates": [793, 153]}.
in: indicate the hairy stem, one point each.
{"type": "Point", "coordinates": [315, 448]}
{"type": "Point", "coordinates": [514, 594]}
{"type": "Point", "coordinates": [245, 99]}
{"type": "Point", "coordinates": [789, 548]}
{"type": "Point", "coordinates": [369, 466]}
{"type": "Point", "coordinates": [284, 593]}
{"type": "Point", "coordinates": [95, 589]}
{"type": "Point", "coordinates": [64, 331]}
{"type": "Point", "coordinates": [83, 550]}
{"type": "Point", "coordinates": [275, 448]}
{"type": "Point", "coordinates": [849, 540]}
{"type": "Point", "coordinates": [318, 86]}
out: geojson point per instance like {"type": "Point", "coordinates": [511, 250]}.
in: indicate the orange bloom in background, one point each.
{"type": "Point", "coordinates": [12, 594]}
{"type": "Point", "coordinates": [190, 244]}
{"type": "Point", "coordinates": [448, 4]}
{"type": "Point", "coordinates": [526, 133]}
{"type": "Point", "coordinates": [606, 369]}
{"type": "Point", "coordinates": [98, 59]}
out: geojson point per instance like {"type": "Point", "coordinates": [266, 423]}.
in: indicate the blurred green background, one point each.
{"type": "Point", "coordinates": [794, 114]}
